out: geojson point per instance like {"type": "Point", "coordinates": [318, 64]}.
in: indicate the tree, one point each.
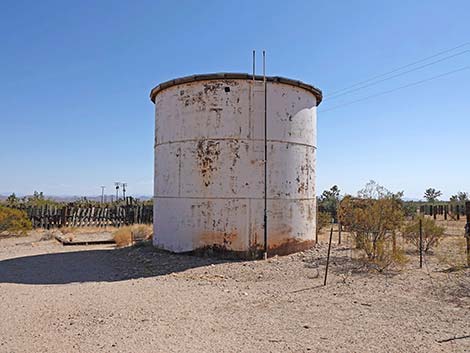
{"type": "Point", "coordinates": [329, 201]}
{"type": "Point", "coordinates": [432, 233]}
{"type": "Point", "coordinates": [432, 195]}
{"type": "Point", "coordinates": [373, 190]}
{"type": "Point", "coordinates": [460, 197]}
{"type": "Point", "coordinates": [38, 199]}
{"type": "Point", "coordinates": [12, 200]}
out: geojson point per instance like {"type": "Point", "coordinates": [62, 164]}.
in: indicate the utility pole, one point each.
{"type": "Point", "coordinates": [117, 184]}
{"type": "Point", "coordinates": [102, 194]}
{"type": "Point", "coordinates": [124, 190]}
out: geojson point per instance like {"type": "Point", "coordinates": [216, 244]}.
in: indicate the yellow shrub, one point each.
{"type": "Point", "coordinates": [127, 235]}
{"type": "Point", "coordinates": [14, 221]}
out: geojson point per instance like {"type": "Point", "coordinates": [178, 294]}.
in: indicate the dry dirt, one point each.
{"type": "Point", "coordinates": [103, 299]}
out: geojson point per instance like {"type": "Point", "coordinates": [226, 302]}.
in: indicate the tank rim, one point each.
{"type": "Point", "coordinates": [234, 76]}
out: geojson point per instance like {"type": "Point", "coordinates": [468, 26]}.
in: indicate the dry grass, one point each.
{"type": "Point", "coordinates": [126, 236]}
{"type": "Point", "coordinates": [452, 252]}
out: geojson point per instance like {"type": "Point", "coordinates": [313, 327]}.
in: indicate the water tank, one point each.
{"type": "Point", "coordinates": [209, 190]}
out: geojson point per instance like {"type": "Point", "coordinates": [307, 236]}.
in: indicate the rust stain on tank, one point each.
{"type": "Point", "coordinates": [207, 153]}
{"type": "Point", "coordinates": [223, 240]}
{"type": "Point", "coordinates": [289, 245]}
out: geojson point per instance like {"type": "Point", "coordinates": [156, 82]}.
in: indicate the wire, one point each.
{"type": "Point", "coordinates": [397, 75]}
{"type": "Point", "coordinates": [397, 89]}
{"type": "Point", "coordinates": [400, 68]}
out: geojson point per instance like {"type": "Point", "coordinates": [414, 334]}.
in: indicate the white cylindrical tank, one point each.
{"type": "Point", "coordinates": [209, 164]}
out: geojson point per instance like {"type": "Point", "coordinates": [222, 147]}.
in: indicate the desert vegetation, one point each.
{"type": "Point", "coordinates": [13, 221]}
{"type": "Point", "coordinates": [382, 224]}
{"type": "Point", "coordinates": [126, 236]}
{"type": "Point", "coordinates": [431, 233]}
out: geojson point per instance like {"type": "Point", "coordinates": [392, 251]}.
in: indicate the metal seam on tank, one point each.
{"type": "Point", "coordinates": [235, 139]}
{"type": "Point", "coordinates": [233, 198]}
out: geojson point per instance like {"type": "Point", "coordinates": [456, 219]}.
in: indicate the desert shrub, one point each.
{"type": "Point", "coordinates": [432, 233]}
{"type": "Point", "coordinates": [373, 224]}
{"type": "Point", "coordinates": [142, 232]}
{"type": "Point", "coordinates": [123, 236]}
{"type": "Point", "coordinates": [323, 219]}
{"type": "Point", "coordinates": [127, 235]}
{"type": "Point", "coordinates": [14, 221]}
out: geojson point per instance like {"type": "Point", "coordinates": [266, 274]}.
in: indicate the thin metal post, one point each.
{"type": "Point", "coordinates": [254, 61]}
{"type": "Point", "coordinates": [265, 159]}
{"type": "Point", "coordinates": [420, 243]}
{"type": "Point", "coordinates": [467, 231]}
{"type": "Point", "coordinates": [328, 256]}
{"type": "Point", "coordinates": [339, 232]}
{"type": "Point", "coordinates": [102, 194]}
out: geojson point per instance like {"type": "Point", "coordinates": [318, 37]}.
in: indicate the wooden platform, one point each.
{"type": "Point", "coordinates": [85, 239]}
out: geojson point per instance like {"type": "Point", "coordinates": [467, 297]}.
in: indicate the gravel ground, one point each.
{"type": "Point", "coordinates": [102, 299]}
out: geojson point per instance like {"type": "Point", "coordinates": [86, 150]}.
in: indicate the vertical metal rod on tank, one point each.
{"type": "Point", "coordinates": [265, 158]}
{"type": "Point", "coordinates": [254, 60]}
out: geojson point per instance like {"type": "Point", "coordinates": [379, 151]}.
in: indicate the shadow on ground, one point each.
{"type": "Point", "coordinates": [103, 265]}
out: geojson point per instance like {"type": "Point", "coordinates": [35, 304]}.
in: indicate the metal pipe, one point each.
{"type": "Point", "coordinates": [254, 60]}
{"type": "Point", "coordinates": [328, 256]}
{"type": "Point", "coordinates": [467, 231]}
{"type": "Point", "coordinates": [420, 243]}
{"type": "Point", "coordinates": [265, 158]}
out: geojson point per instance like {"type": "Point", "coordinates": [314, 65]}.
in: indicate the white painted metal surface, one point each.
{"type": "Point", "coordinates": [209, 165]}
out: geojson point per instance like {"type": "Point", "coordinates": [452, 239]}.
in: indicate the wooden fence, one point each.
{"type": "Point", "coordinates": [89, 216]}
{"type": "Point", "coordinates": [453, 211]}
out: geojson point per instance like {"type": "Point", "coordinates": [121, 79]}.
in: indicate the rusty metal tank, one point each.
{"type": "Point", "coordinates": [209, 190]}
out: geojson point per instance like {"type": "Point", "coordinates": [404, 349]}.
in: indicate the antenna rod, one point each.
{"type": "Point", "coordinates": [265, 159]}
{"type": "Point", "coordinates": [254, 60]}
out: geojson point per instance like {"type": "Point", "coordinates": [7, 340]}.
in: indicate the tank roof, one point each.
{"type": "Point", "coordinates": [235, 76]}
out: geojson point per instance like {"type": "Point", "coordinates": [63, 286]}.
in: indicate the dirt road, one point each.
{"type": "Point", "coordinates": [102, 299]}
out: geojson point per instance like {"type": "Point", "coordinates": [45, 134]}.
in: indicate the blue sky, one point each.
{"type": "Point", "coordinates": [75, 112]}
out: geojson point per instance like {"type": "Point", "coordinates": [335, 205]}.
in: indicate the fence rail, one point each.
{"type": "Point", "coordinates": [69, 216]}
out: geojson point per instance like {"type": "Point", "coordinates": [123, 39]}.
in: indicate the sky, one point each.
{"type": "Point", "coordinates": [75, 77]}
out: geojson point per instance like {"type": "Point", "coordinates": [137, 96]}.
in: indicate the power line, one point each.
{"type": "Point", "coordinates": [397, 75]}
{"type": "Point", "coordinates": [397, 88]}
{"type": "Point", "coordinates": [400, 68]}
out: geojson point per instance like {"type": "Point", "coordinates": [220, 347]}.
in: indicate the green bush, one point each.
{"type": "Point", "coordinates": [323, 220]}
{"type": "Point", "coordinates": [432, 233]}
{"type": "Point", "coordinates": [14, 221]}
